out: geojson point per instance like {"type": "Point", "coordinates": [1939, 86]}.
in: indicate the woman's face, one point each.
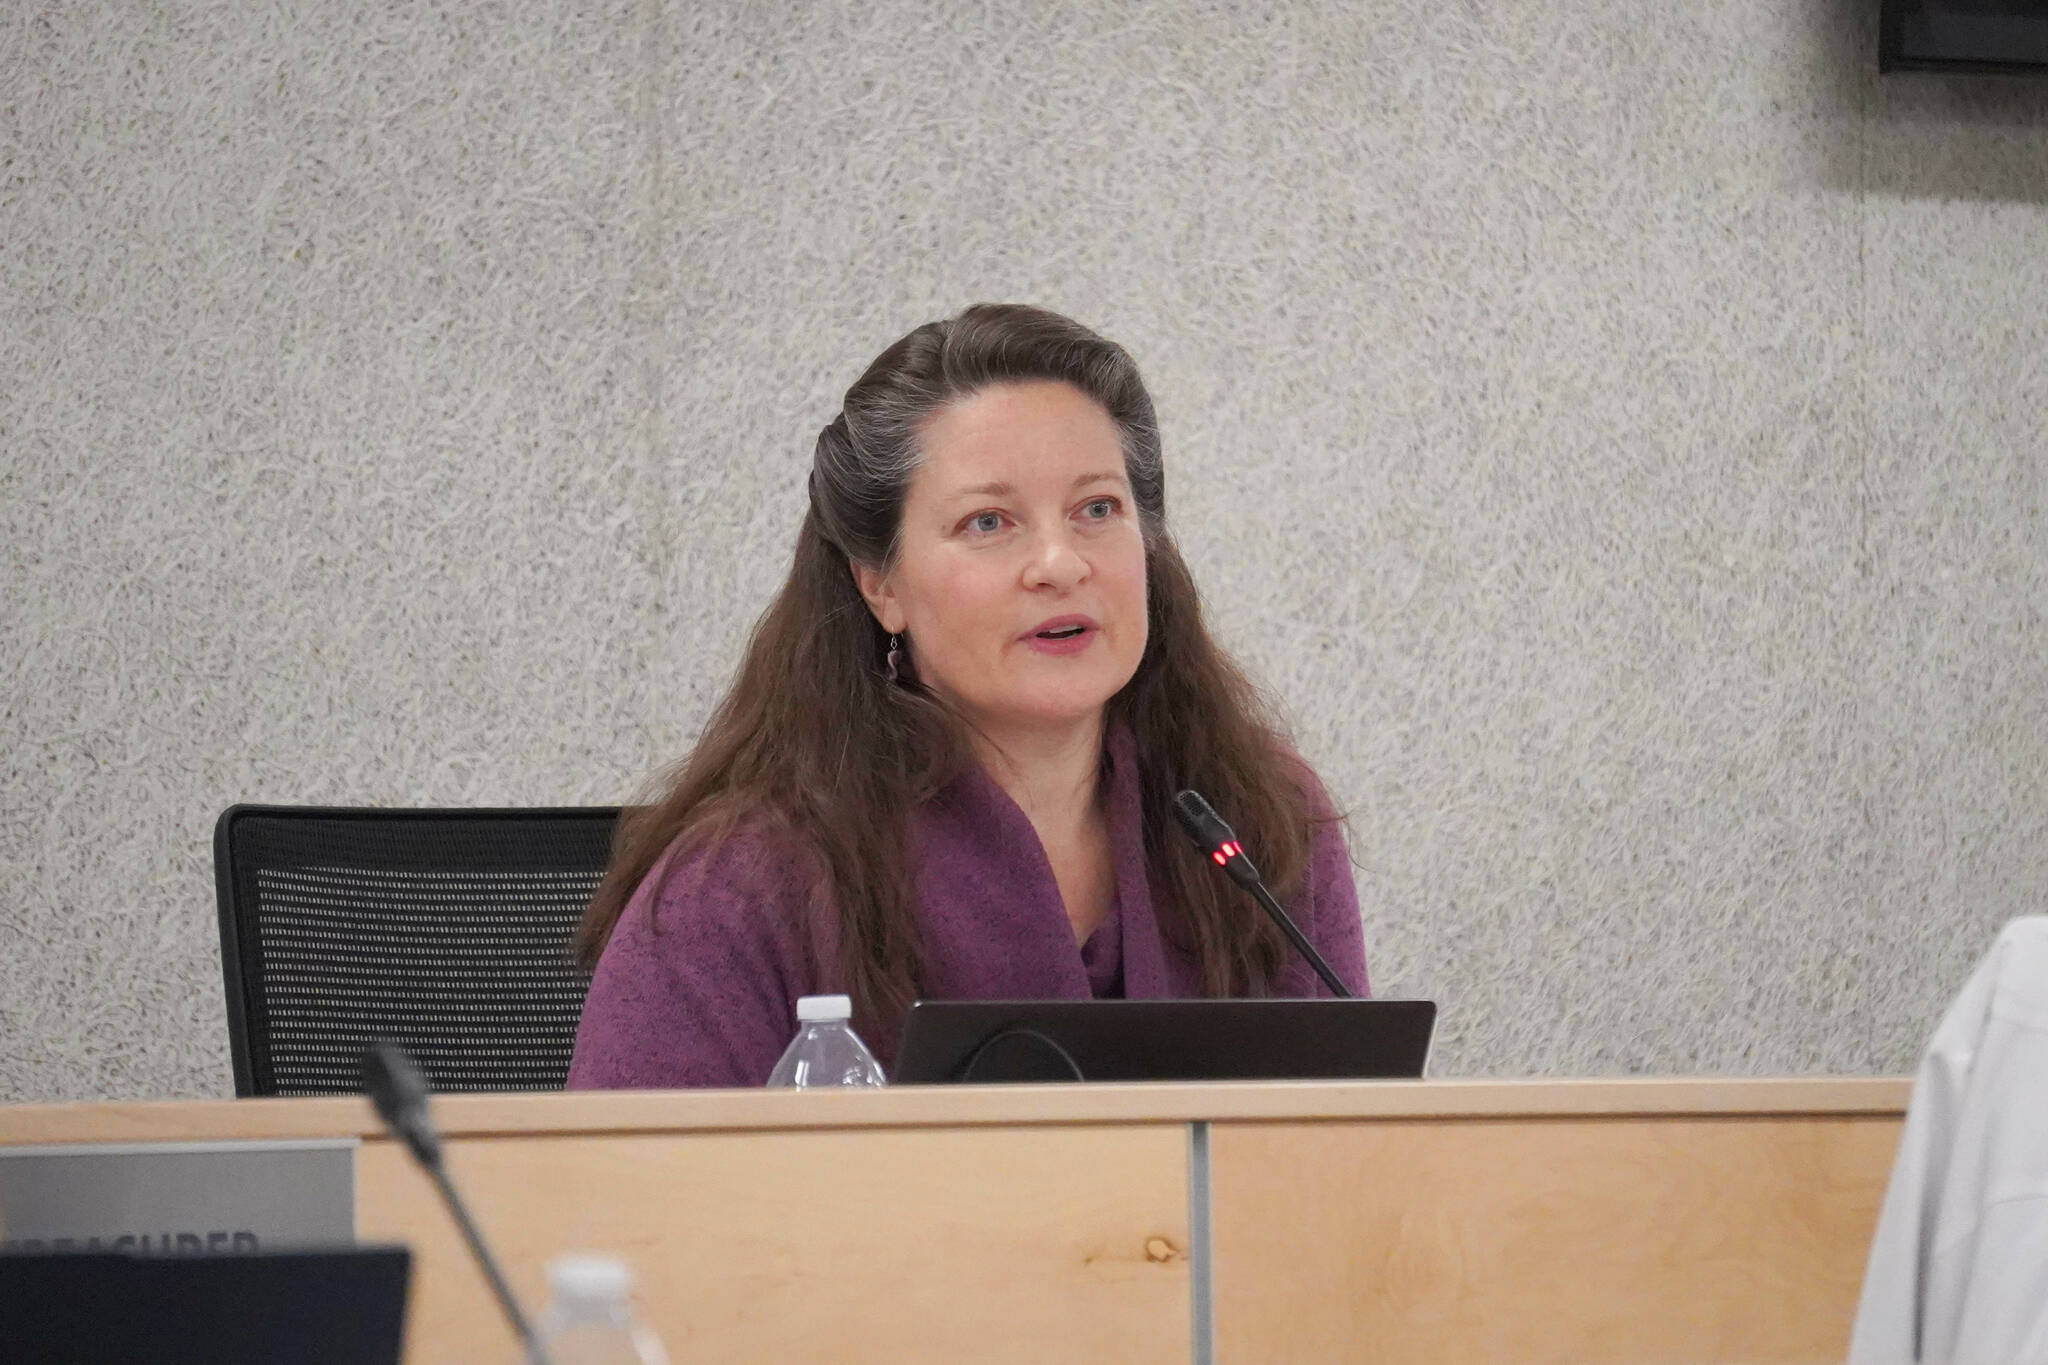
{"type": "Point", "coordinates": [1018, 526]}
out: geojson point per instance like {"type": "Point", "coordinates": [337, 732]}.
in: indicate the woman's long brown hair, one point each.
{"type": "Point", "coordinates": [814, 744]}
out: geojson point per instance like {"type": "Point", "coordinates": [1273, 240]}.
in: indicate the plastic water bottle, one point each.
{"type": "Point", "coordinates": [590, 1320]}
{"type": "Point", "coordinates": [826, 1051]}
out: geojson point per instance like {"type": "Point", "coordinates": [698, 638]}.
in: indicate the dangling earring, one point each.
{"type": "Point", "coordinates": [895, 659]}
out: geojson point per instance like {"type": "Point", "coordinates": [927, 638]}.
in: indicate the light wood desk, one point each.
{"type": "Point", "coordinates": [1583, 1221]}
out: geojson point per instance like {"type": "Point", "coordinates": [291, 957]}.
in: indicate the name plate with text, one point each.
{"type": "Point", "coordinates": [178, 1197]}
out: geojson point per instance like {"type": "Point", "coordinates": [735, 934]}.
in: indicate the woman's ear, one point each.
{"type": "Point", "coordinates": [874, 589]}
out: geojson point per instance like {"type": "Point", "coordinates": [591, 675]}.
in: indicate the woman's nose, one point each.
{"type": "Point", "coordinates": [1055, 562]}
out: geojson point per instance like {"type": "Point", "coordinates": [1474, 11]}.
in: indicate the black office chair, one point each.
{"type": "Point", "coordinates": [445, 930]}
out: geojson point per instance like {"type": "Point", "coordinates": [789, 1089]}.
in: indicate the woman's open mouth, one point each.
{"type": "Point", "coordinates": [1062, 635]}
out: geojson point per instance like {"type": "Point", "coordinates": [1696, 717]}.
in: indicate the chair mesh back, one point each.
{"type": "Point", "coordinates": [447, 931]}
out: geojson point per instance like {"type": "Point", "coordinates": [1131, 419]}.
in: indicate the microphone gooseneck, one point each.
{"type": "Point", "coordinates": [398, 1090]}
{"type": "Point", "coordinates": [1219, 844]}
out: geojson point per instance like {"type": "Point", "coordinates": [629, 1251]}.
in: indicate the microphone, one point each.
{"type": "Point", "coordinates": [399, 1091]}
{"type": "Point", "coordinates": [1216, 840]}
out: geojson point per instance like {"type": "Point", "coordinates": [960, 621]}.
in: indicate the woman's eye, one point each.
{"type": "Point", "coordinates": [986, 522]}
{"type": "Point", "coordinates": [1100, 509]}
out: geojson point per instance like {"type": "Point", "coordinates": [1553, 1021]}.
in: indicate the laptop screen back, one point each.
{"type": "Point", "coordinates": [315, 1307]}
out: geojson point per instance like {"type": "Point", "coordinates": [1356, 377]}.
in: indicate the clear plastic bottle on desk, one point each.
{"type": "Point", "coordinates": [590, 1320]}
{"type": "Point", "coordinates": [826, 1051]}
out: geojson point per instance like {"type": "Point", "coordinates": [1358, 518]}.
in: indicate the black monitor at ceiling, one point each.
{"type": "Point", "coordinates": [2008, 37]}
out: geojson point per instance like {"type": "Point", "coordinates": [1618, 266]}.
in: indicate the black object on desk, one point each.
{"type": "Point", "coordinates": [1163, 1040]}
{"type": "Point", "coordinates": [339, 1306]}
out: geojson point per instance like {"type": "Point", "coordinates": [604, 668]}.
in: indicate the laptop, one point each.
{"type": "Point", "coordinates": [1163, 1040]}
{"type": "Point", "coordinates": [332, 1306]}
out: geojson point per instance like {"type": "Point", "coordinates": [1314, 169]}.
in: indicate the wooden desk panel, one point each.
{"type": "Point", "coordinates": [961, 1106]}
{"type": "Point", "coordinates": [1639, 1240]}
{"type": "Point", "coordinates": [987, 1245]}
{"type": "Point", "coordinates": [622, 1111]}
{"type": "Point", "coordinates": [1541, 1220]}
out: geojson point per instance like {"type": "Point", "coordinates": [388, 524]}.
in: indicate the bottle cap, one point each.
{"type": "Point", "coordinates": [589, 1277]}
{"type": "Point", "coordinates": [820, 1009]}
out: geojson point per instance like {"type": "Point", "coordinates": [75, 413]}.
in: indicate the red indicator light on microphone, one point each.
{"type": "Point", "coordinates": [1220, 856]}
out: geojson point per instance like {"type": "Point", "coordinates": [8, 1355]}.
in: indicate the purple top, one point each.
{"type": "Point", "coordinates": [707, 997]}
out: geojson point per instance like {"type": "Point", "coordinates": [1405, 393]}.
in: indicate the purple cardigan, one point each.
{"type": "Point", "coordinates": [699, 983]}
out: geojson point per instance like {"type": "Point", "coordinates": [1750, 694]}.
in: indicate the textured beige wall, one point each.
{"type": "Point", "coordinates": [1614, 430]}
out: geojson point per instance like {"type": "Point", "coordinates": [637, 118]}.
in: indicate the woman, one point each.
{"type": "Point", "coordinates": [946, 765]}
